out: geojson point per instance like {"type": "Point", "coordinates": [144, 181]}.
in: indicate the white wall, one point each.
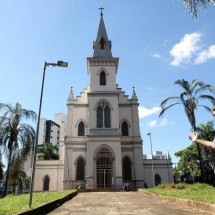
{"type": "Point", "coordinates": [42, 131]}
{"type": "Point", "coordinates": [61, 119]}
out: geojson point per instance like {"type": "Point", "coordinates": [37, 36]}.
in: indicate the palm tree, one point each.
{"type": "Point", "coordinates": [190, 99]}
{"type": "Point", "coordinates": [15, 134]}
{"type": "Point", "coordinates": [207, 132]}
{"type": "Point", "coordinates": [192, 5]}
{"type": "Point", "coordinates": [49, 151]}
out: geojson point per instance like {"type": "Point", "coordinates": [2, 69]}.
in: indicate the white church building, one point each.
{"type": "Point", "coordinates": [102, 147]}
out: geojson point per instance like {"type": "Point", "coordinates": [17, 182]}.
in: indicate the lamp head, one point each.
{"type": "Point", "coordinates": [62, 63]}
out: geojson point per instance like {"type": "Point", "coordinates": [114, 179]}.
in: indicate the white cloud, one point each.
{"type": "Point", "coordinates": [205, 55]}
{"type": "Point", "coordinates": [159, 123]}
{"type": "Point", "coordinates": [165, 42]}
{"type": "Point", "coordinates": [183, 51]}
{"type": "Point", "coordinates": [144, 112]}
{"type": "Point", "coordinates": [156, 55]}
{"type": "Point", "coordinates": [153, 123]}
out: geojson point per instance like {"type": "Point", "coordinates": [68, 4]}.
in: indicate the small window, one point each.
{"type": "Point", "coordinates": [102, 78]}
{"type": "Point", "coordinates": [124, 129]}
{"type": "Point", "coordinates": [81, 129]}
{"type": "Point", "coordinates": [102, 43]}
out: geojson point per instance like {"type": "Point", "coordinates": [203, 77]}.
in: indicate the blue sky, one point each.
{"type": "Point", "coordinates": [156, 44]}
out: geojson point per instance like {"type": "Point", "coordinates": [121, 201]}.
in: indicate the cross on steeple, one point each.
{"type": "Point", "coordinates": [101, 8]}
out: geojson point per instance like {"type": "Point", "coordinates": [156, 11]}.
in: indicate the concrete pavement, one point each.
{"type": "Point", "coordinates": [126, 203]}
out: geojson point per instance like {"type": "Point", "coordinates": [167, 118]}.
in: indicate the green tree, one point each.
{"type": "Point", "coordinates": [14, 134]}
{"type": "Point", "coordinates": [207, 132]}
{"type": "Point", "coordinates": [49, 151]}
{"type": "Point", "coordinates": [190, 99]}
{"type": "Point", "coordinates": [188, 164]}
{"type": "Point", "coordinates": [16, 171]}
{"type": "Point", "coordinates": [192, 5]}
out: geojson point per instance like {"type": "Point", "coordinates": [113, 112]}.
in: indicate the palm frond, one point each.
{"type": "Point", "coordinates": [205, 107]}
{"type": "Point", "coordinates": [164, 102]}
{"type": "Point", "coordinates": [28, 114]}
{"type": "Point", "coordinates": [192, 5]}
{"type": "Point", "coordinates": [182, 95]}
{"type": "Point", "coordinates": [185, 85]}
{"type": "Point", "coordinates": [208, 97]}
{"type": "Point", "coordinates": [166, 108]}
{"type": "Point", "coordinates": [196, 83]}
{"type": "Point", "coordinates": [5, 106]}
{"type": "Point", "coordinates": [204, 87]}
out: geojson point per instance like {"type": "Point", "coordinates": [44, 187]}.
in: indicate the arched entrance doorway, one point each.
{"type": "Point", "coordinates": [104, 167]}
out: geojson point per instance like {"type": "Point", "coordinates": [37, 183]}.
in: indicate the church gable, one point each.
{"type": "Point", "coordinates": [82, 98]}
{"type": "Point", "coordinates": [123, 99]}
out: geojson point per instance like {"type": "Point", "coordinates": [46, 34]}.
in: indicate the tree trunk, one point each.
{"type": "Point", "coordinates": [7, 173]}
{"type": "Point", "coordinates": [200, 157]}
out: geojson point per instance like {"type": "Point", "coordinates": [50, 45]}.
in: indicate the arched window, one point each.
{"type": "Point", "coordinates": [102, 78]}
{"type": "Point", "coordinates": [81, 129]}
{"type": "Point", "coordinates": [80, 175]}
{"type": "Point", "coordinates": [127, 169]}
{"type": "Point", "coordinates": [107, 116]}
{"type": "Point", "coordinates": [46, 183]}
{"type": "Point", "coordinates": [124, 128]}
{"type": "Point", "coordinates": [103, 115]}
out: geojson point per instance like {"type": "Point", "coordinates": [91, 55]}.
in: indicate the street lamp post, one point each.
{"type": "Point", "coordinates": [153, 174]}
{"type": "Point", "coordinates": [60, 64]}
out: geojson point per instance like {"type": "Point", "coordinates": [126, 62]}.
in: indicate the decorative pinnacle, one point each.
{"type": "Point", "coordinates": [101, 8]}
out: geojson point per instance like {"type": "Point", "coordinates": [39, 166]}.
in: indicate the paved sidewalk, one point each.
{"type": "Point", "coordinates": [126, 203]}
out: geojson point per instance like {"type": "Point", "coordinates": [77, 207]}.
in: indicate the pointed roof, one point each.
{"type": "Point", "coordinates": [102, 46]}
{"type": "Point", "coordinates": [71, 95]}
{"type": "Point", "coordinates": [168, 155]}
{"type": "Point", "coordinates": [134, 95]}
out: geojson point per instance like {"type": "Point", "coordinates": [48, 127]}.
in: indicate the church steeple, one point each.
{"type": "Point", "coordinates": [102, 46]}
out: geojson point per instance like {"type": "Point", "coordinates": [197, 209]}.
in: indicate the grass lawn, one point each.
{"type": "Point", "coordinates": [197, 192]}
{"type": "Point", "coordinates": [15, 204]}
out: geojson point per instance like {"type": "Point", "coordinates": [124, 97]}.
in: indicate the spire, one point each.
{"type": "Point", "coordinates": [102, 46]}
{"type": "Point", "coordinates": [71, 95]}
{"type": "Point", "coordinates": [168, 156]}
{"type": "Point", "coordinates": [134, 96]}
{"type": "Point", "coordinates": [101, 8]}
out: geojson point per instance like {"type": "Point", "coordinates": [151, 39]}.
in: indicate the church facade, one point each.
{"type": "Point", "coordinates": [103, 146]}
